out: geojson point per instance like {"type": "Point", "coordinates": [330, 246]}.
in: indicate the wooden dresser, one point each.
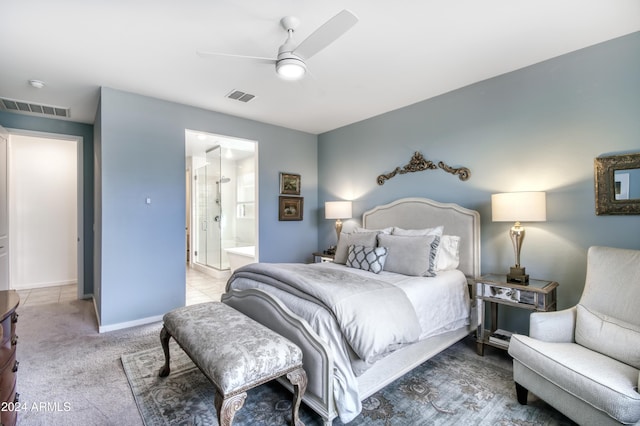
{"type": "Point", "coordinates": [8, 364]}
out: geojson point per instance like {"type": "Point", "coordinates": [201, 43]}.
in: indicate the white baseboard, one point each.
{"type": "Point", "coordinates": [44, 285]}
{"type": "Point", "coordinates": [123, 325]}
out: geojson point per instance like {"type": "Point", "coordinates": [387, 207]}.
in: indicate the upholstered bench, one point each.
{"type": "Point", "coordinates": [235, 352]}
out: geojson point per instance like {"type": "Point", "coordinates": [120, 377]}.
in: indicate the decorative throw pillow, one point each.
{"type": "Point", "coordinates": [607, 335]}
{"type": "Point", "coordinates": [367, 239]}
{"type": "Point", "coordinates": [370, 259]}
{"type": "Point", "coordinates": [418, 232]}
{"type": "Point", "coordinates": [415, 256]}
{"type": "Point", "coordinates": [448, 256]}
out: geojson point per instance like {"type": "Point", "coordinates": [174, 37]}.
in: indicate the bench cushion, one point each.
{"type": "Point", "coordinates": [235, 352]}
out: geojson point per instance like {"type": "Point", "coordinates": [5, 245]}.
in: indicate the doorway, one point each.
{"type": "Point", "coordinates": [45, 210]}
{"type": "Point", "coordinates": [222, 190]}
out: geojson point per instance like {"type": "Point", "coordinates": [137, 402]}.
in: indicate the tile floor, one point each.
{"type": "Point", "coordinates": [200, 288]}
{"type": "Point", "coordinates": [41, 296]}
{"type": "Point", "coordinates": [204, 288]}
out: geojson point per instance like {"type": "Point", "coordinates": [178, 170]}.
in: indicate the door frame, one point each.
{"type": "Point", "coordinates": [79, 196]}
{"type": "Point", "coordinates": [190, 169]}
{"type": "Point", "coordinates": [4, 236]}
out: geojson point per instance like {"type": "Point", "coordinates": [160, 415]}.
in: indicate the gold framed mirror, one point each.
{"type": "Point", "coordinates": [617, 181]}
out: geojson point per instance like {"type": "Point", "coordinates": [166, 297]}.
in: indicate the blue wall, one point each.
{"type": "Point", "coordinates": [538, 128]}
{"type": "Point", "coordinates": [85, 131]}
{"type": "Point", "coordinates": [141, 153]}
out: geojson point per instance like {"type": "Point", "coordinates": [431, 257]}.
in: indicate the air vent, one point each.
{"type": "Point", "coordinates": [29, 107]}
{"type": "Point", "coordinates": [240, 96]}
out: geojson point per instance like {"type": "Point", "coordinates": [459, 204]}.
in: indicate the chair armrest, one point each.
{"type": "Point", "coordinates": [556, 326]}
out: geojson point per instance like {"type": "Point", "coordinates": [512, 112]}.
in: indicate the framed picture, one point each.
{"type": "Point", "coordinates": [617, 184]}
{"type": "Point", "coordinates": [290, 208]}
{"type": "Point", "coordinates": [289, 184]}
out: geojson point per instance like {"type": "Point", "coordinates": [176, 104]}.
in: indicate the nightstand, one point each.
{"type": "Point", "coordinates": [537, 295]}
{"type": "Point", "coordinates": [322, 257]}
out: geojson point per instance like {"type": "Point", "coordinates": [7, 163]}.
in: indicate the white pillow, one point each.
{"type": "Point", "coordinates": [370, 259]}
{"type": "Point", "coordinates": [367, 239]}
{"type": "Point", "coordinates": [448, 256]}
{"type": "Point", "coordinates": [410, 255]}
{"type": "Point", "coordinates": [381, 231]}
{"type": "Point", "coordinates": [437, 231]}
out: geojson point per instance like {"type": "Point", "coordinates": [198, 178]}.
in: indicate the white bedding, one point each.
{"type": "Point", "coordinates": [442, 303]}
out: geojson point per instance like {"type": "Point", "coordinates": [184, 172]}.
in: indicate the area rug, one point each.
{"type": "Point", "coordinates": [456, 387]}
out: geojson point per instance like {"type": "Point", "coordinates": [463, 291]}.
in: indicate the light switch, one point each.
{"type": "Point", "coordinates": [148, 200]}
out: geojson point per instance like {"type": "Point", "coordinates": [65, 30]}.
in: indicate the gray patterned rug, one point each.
{"type": "Point", "coordinates": [456, 387]}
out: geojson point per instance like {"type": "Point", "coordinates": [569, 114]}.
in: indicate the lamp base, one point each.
{"type": "Point", "coordinates": [338, 228]}
{"type": "Point", "coordinates": [517, 275]}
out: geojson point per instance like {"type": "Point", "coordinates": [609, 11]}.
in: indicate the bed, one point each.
{"type": "Point", "coordinates": [342, 369]}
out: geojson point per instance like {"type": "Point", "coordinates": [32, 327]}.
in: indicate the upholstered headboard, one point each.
{"type": "Point", "coordinates": [418, 213]}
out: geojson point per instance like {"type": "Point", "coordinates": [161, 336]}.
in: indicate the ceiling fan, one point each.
{"type": "Point", "coordinates": [290, 61]}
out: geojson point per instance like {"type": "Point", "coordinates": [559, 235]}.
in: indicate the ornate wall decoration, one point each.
{"type": "Point", "coordinates": [462, 172]}
{"type": "Point", "coordinates": [418, 164]}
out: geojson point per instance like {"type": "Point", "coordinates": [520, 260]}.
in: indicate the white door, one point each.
{"type": "Point", "coordinates": [4, 211]}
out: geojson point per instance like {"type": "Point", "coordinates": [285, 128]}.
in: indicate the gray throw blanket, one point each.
{"type": "Point", "coordinates": [374, 317]}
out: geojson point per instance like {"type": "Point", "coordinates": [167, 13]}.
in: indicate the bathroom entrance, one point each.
{"type": "Point", "coordinates": [223, 200]}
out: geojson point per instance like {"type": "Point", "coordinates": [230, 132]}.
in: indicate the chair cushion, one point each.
{"type": "Point", "coordinates": [611, 285]}
{"type": "Point", "coordinates": [601, 381]}
{"type": "Point", "coordinates": [607, 335]}
{"type": "Point", "coordinates": [235, 352]}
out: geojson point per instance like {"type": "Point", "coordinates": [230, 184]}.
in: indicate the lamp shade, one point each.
{"type": "Point", "coordinates": [519, 207]}
{"type": "Point", "coordinates": [337, 210]}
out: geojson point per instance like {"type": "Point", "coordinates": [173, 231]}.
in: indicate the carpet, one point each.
{"type": "Point", "coordinates": [456, 387]}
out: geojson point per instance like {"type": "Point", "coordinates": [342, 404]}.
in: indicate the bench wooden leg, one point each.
{"type": "Point", "coordinates": [298, 379]}
{"type": "Point", "coordinates": [164, 340]}
{"type": "Point", "coordinates": [227, 407]}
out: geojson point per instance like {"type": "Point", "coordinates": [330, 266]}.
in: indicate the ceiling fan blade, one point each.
{"type": "Point", "coordinates": [259, 59]}
{"type": "Point", "coordinates": [326, 34]}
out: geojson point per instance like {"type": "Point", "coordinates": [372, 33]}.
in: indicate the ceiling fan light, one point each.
{"type": "Point", "coordinates": [291, 68]}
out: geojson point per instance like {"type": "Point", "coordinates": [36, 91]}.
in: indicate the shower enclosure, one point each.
{"type": "Point", "coordinates": [223, 204]}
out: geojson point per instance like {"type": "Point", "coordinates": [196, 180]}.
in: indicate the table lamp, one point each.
{"type": "Point", "coordinates": [337, 210]}
{"type": "Point", "coordinates": [518, 207]}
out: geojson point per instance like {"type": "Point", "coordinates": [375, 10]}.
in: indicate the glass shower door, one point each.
{"type": "Point", "coordinates": [208, 240]}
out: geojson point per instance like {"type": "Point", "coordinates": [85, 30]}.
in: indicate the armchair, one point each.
{"type": "Point", "coordinates": [585, 360]}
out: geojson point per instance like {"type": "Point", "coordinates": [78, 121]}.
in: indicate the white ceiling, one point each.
{"type": "Point", "coordinates": [399, 52]}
